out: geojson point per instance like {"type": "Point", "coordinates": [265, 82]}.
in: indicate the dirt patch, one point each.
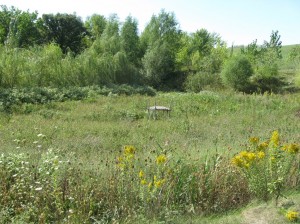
{"type": "Point", "coordinates": [264, 214]}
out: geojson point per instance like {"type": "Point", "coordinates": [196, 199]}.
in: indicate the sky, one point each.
{"type": "Point", "coordinates": [238, 22]}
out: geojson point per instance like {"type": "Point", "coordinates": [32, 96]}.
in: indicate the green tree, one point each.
{"type": "Point", "coordinates": [274, 45]}
{"type": "Point", "coordinates": [237, 72]}
{"type": "Point", "coordinates": [110, 39]}
{"type": "Point", "coordinates": [158, 64]}
{"type": "Point", "coordinates": [201, 52]}
{"type": "Point", "coordinates": [66, 30]}
{"type": "Point", "coordinates": [18, 28]}
{"type": "Point", "coordinates": [95, 25]}
{"type": "Point", "coordinates": [130, 40]}
{"type": "Point", "coordinates": [160, 43]}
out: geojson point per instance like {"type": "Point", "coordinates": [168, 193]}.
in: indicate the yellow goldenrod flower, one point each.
{"type": "Point", "coordinates": [292, 215]}
{"type": "Point", "coordinates": [243, 159]}
{"type": "Point", "coordinates": [275, 138]}
{"type": "Point", "coordinates": [263, 146]}
{"type": "Point", "coordinates": [250, 156]}
{"type": "Point", "coordinates": [129, 150]}
{"type": "Point", "coordinates": [141, 174]}
{"type": "Point", "coordinates": [260, 154]}
{"type": "Point", "coordinates": [254, 140]}
{"type": "Point", "coordinates": [292, 148]}
{"type": "Point", "coordinates": [161, 159]}
{"type": "Point", "coordinates": [143, 182]}
{"type": "Point", "coordinates": [237, 161]}
{"type": "Point", "coordinates": [243, 154]}
{"type": "Point", "coordinates": [159, 183]}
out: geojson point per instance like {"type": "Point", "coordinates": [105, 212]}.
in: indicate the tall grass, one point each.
{"type": "Point", "coordinates": [48, 66]}
{"type": "Point", "coordinates": [103, 160]}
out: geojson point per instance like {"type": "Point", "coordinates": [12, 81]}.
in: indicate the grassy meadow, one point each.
{"type": "Point", "coordinates": [103, 160]}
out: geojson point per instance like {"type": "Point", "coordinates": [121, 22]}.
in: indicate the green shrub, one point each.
{"type": "Point", "coordinates": [236, 73]}
{"type": "Point", "coordinates": [268, 79]}
{"type": "Point", "coordinates": [202, 81]}
{"type": "Point", "coordinates": [10, 98]}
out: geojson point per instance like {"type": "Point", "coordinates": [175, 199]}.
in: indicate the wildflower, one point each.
{"type": "Point", "coordinates": [161, 159]}
{"type": "Point", "coordinates": [244, 154]}
{"type": "Point", "coordinates": [263, 146]}
{"type": "Point", "coordinates": [254, 140]}
{"type": "Point", "coordinates": [250, 156]}
{"type": "Point", "coordinates": [159, 183]}
{"type": "Point", "coordinates": [261, 155]}
{"type": "Point", "coordinates": [237, 161]}
{"type": "Point", "coordinates": [275, 138]}
{"type": "Point", "coordinates": [292, 216]}
{"type": "Point", "coordinates": [38, 188]}
{"type": "Point", "coordinates": [291, 148]}
{"type": "Point", "coordinates": [129, 150]}
{"type": "Point", "coordinates": [141, 174]}
{"type": "Point", "coordinates": [143, 182]}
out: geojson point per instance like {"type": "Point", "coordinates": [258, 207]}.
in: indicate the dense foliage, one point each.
{"type": "Point", "coordinates": [62, 50]}
{"type": "Point", "coordinates": [237, 72]}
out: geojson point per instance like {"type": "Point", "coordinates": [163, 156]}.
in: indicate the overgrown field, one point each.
{"type": "Point", "coordinates": [103, 159]}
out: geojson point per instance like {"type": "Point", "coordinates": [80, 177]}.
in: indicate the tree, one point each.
{"type": "Point", "coordinates": [160, 43]}
{"type": "Point", "coordinates": [95, 25]}
{"type": "Point", "coordinates": [237, 72]}
{"type": "Point", "coordinates": [274, 45]}
{"type": "Point", "coordinates": [264, 60]}
{"type": "Point", "coordinates": [110, 39]}
{"type": "Point", "coordinates": [17, 28]}
{"type": "Point", "coordinates": [157, 64]}
{"type": "Point", "coordinates": [130, 40]}
{"type": "Point", "coordinates": [66, 30]}
{"type": "Point", "coordinates": [201, 52]}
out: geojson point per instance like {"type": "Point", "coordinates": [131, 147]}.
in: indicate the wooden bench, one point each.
{"type": "Point", "coordinates": [154, 109]}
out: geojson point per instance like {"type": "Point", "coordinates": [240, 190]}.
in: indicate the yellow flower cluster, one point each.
{"type": "Point", "coordinates": [291, 148]}
{"type": "Point", "coordinates": [245, 158]}
{"type": "Point", "coordinates": [126, 160]}
{"type": "Point", "coordinates": [161, 159]}
{"type": "Point", "coordinates": [142, 178]}
{"type": "Point", "coordinates": [158, 183]}
{"type": "Point", "coordinates": [275, 138]}
{"type": "Point", "coordinates": [129, 150]}
{"type": "Point", "coordinates": [292, 215]}
{"type": "Point", "coordinates": [263, 146]}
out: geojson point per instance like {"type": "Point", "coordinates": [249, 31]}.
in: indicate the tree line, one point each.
{"type": "Point", "coordinates": [62, 50]}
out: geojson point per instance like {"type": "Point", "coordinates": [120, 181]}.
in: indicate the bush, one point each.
{"type": "Point", "coordinates": [236, 73]}
{"type": "Point", "coordinates": [268, 79]}
{"type": "Point", "coordinates": [10, 98]}
{"type": "Point", "coordinates": [202, 81]}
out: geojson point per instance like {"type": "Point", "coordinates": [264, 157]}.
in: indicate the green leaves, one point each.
{"type": "Point", "coordinates": [236, 73]}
